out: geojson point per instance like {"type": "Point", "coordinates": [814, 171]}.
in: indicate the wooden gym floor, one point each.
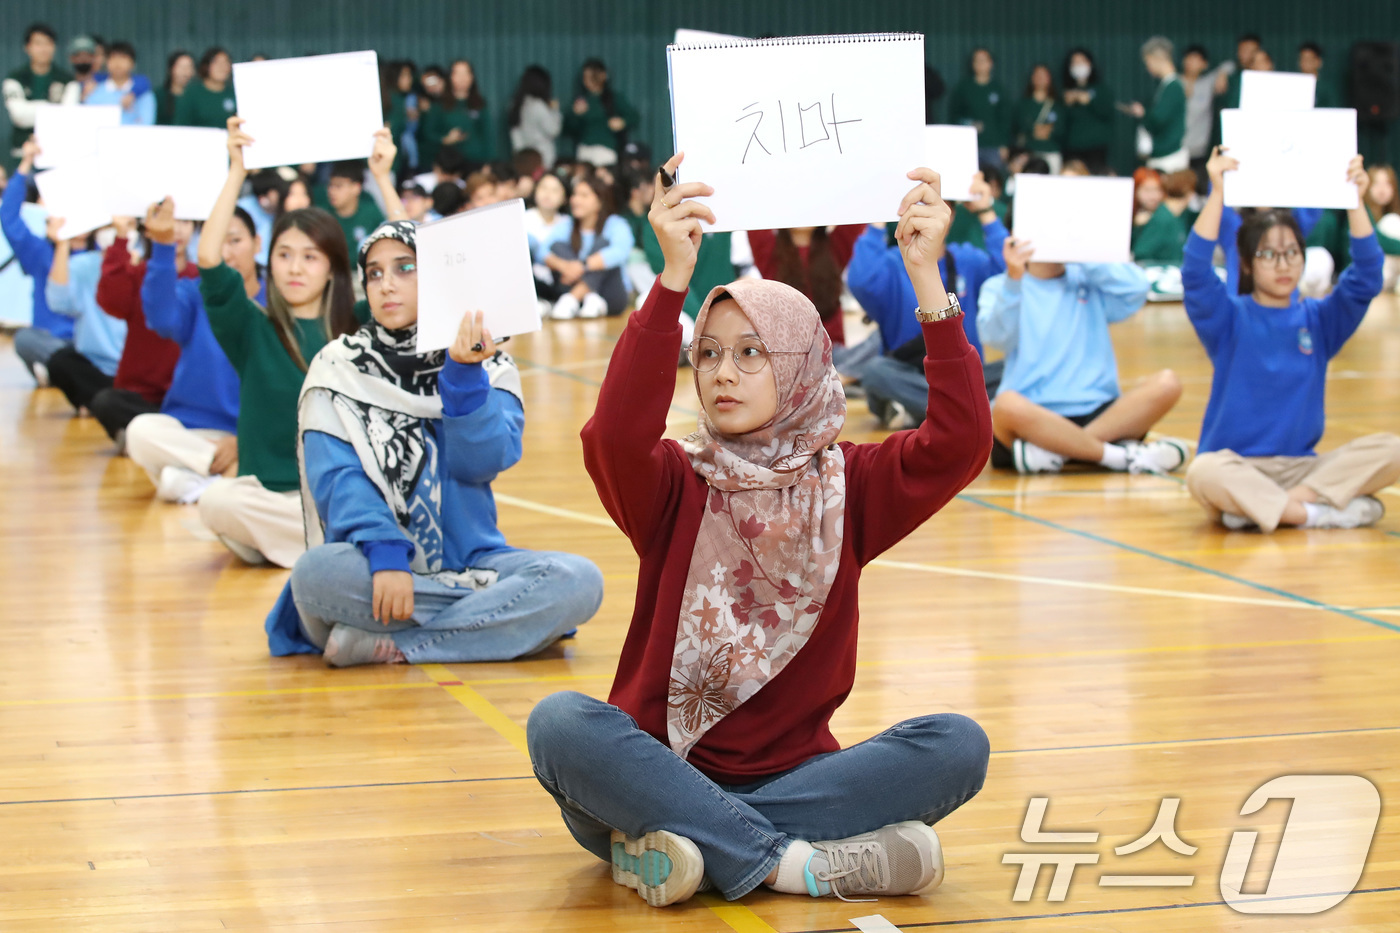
{"type": "Point", "coordinates": [160, 772]}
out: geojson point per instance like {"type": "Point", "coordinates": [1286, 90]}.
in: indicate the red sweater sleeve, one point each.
{"type": "Point", "coordinates": [119, 288]}
{"type": "Point", "coordinates": [623, 449]}
{"type": "Point", "coordinates": [912, 474]}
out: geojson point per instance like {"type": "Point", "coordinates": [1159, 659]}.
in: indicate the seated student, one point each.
{"type": "Point", "coordinates": [124, 88]}
{"type": "Point", "coordinates": [16, 288]}
{"type": "Point", "coordinates": [88, 365]}
{"type": "Point", "coordinates": [309, 303]}
{"type": "Point", "coordinates": [967, 224]}
{"type": "Point", "coordinates": [811, 260]}
{"type": "Point", "coordinates": [541, 221]}
{"type": "Point", "coordinates": [894, 382]}
{"type": "Point", "coordinates": [448, 199]}
{"type": "Point", "coordinates": [191, 439]}
{"type": "Point", "coordinates": [148, 359]}
{"type": "Point", "coordinates": [1257, 466]}
{"type": "Point", "coordinates": [1059, 398]}
{"type": "Point", "coordinates": [417, 203]}
{"type": "Point", "coordinates": [587, 252]}
{"type": "Point", "coordinates": [1383, 203]}
{"type": "Point", "coordinates": [344, 197]}
{"type": "Point", "coordinates": [1159, 234]}
{"type": "Point", "coordinates": [405, 561]}
{"type": "Point", "coordinates": [715, 749]}
{"type": "Point", "coordinates": [480, 189]}
{"type": "Point", "coordinates": [48, 331]}
{"type": "Point", "coordinates": [447, 166]}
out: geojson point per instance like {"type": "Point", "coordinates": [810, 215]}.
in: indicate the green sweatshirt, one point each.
{"type": "Point", "coordinates": [591, 128]}
{"type": "Point", "coordinates": [1031, 113]}
{"type": "Point", "coordinates": [1333, 233]}
{"type": "Point", "coordinates": [1166, 118]}
{"type": "Point", "coordinates": [985, 106]}
{"type": "Point", "coordinates": [965, 227]}
{"type": "Point", "coordinates": [1161, 240]}
{"type": "Point", "coordinates": [46, 87]}
{"type": "Point", "coordinates": [712, 266]}
{"type": "Point", "coordinates": [166, 103]}
{"type": "Point", "coordinates": [480, 145]}
{"type": "Point", "coordinates": [269, 380]}
{"type": "Point", "coordinates": [199, 106]}
{"type": "Point", "coordinates": [1090, 126]}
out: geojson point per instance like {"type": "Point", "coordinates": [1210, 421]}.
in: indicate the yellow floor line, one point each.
{"type": "Point", "coordinates": [737, 916]}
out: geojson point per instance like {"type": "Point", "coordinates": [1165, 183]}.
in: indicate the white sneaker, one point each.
{"type": "Point", "coordinates": [1359, 512]}
{"type": "Point", "coordinates": [1029, 458]}
{"type": "Point", "coordinates": [41, 375]}
{"type": "Point", "coordinates": [662, 867]}
{"type": "Point", "coordinates": [565, 309]}
{"type": "Point", "coordinates": [1161, 456]}
{"type": "Point", "coordinates": [249, 555]}
{"type": "Point", "coordinates": [1236, 522]}
{"type": "Point", "coordinates": [593, 306]}
{"type": "Point", "coordinates": [180, 485]}
{"type": "Point", "coordinates": [902, 858]}
{"type": "Point", "coordinates": [544, 307]}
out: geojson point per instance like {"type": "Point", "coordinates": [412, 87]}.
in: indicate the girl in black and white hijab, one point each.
{"type": "Point", "coordinates": [398, 449]}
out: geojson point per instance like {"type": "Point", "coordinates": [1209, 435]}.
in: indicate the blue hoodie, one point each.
{"type": "Point", "coordinates": [35, 256]}
{"type": "Point", "coordinates": [1055, 332]}
{"type": "Point", "coordinates": [204, 390]}
{"type": "Point", "coordinates": [1267, 394]}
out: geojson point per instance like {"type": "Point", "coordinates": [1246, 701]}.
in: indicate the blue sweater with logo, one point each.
{"type": "Point", "coordinates": [1266, 397]}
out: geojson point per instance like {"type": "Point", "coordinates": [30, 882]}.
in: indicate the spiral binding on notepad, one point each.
{"type": "Point", "coordinates": [850, 39]}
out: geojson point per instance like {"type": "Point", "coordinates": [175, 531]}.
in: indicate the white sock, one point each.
{"type": "Point", "coordinates": [1315, 512]}
{"type": "Point", "coordinates": [792, 868]}
{"type": "Point", "coordinates": [1114, 457]}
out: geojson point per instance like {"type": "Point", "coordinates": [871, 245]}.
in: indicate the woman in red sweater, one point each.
{"type": "Point", "coordinates": [811, 260]}
{"type": "Point", "coordinates": [714, 757]}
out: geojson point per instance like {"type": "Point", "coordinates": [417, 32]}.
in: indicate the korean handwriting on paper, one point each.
{"type": "Point", "coordinates": [798, 126]}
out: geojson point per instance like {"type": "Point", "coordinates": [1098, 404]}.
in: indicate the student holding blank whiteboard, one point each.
{"type": "Point", "coordinates": [1257, 465]}
{"type": "Point", "coordinates": [398, 450]}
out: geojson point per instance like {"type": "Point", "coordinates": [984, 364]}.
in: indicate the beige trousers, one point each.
{"type": "Point", "coordinates": [255, 518]}
{"type": "Point", "coordinates": [1257, 487]}
{"type": "Point", "coordinates": [154, 442]}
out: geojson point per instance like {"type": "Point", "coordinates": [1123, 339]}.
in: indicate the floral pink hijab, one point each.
{"type": "Point", "coordinates": [770, 540]}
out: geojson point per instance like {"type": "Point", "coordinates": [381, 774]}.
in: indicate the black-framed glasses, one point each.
{"type": "Point", "coordinates": [750, 354]}
{"type": "Point", "coordinates": [1288, 257]}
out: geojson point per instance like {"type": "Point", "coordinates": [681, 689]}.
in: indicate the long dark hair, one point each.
{"type": "Point", "coordinates": [1252, 231]}
{"type": "Point", "coordinates": [607, 206]}
{"type": "Point", "coordinates": [474, 99]}
{"type": "Point", "coordinates": [606, 95]}
{"type": "Point", "coordinates": [207, 59]}
{"type": "Point", "coordinates": [170, 61]}
{"type": "Point", "coordinates": [1030, 80]}
{"type": "Point", "coordinates": [1067, 79]}
{"type": "Point", "coordinates": [534, 82]}
{"type": "Point", "coordinates": [337, 301]}
{"type": "Point", "coordinates": [820, 279]}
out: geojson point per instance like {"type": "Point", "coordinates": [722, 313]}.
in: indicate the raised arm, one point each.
{"type": "Point", "coordinates": [1207, 225]}
{"type": "Point", "coordinates": [211, 238]}
{"type": "Point", "coordinates": [166, 313]}
{"type": "Point", "coordinates": [483, 426]}
{"type": "Point", "coordinates": [623, 448]}
{"type": "Point", "coordinates": [381, 168]}
{"type": "Point", "coordinates": [33, 252]}
{"type": "Point", "coordinates": [1341, 313]}
{"type": "Point", "coordinates": [119, 287]}
{"type": "Point", "coordinates": [1358, 218]}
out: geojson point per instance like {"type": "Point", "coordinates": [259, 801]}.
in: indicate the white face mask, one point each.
{"type": "Point", "coordinates": [1080, 71]}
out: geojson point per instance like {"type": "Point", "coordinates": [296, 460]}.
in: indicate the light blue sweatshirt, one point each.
{"type": "Point", "coordinates": [617, 236]}
{"type": "Point", "coordinates": [97, 335]}
{"type": "Point", "coordinates": [1055, 332]}
{"type": "Point", "coordinates": [143, 110]}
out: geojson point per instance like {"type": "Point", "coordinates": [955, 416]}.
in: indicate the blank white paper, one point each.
{"type": "Point", "coordinates": [952, 153]}
{"type": "Point", "coordinates": [1277, 90]}
{"type": "Point", "coordinates": [140, 165]}
{"type": "Point", "coordinates": [477, 261]}
{"type": "Point", "coordinates": [74, 192]}
{"type": "Point", "coordinates": [322, 108]}
{"type": "Point", "coordinates": [800, 132]}
{"type": "Point", "coordinates": [1074, 219]}
{"type": "Point", "coordinates": [68, 132]}
{"type": "Point", "coordinates": [1296, 159]}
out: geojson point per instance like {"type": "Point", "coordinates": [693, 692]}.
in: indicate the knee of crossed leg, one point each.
{"type": "Point", "coordinates": [972, 746]}
{"type": "Point", "coordinates": [323, 569]}
{"type": "Point", "coordinates": [557, 722]}
{"type": "Point", "coordinates": [1390, 443]}
{"type": "Point", "coordinates": [1169, 385]}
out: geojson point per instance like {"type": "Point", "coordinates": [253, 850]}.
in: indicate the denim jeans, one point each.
{"type": "Point", "coordinates": [887, 379]}
{"type": "Point", "coordinates": [606, 773]}
{"type": "Point", "coordinates": [538, 597]}
{"type": "Point", "coordinates": [36, 345]}
{"type": "Point", "coordinates": [851, 360]}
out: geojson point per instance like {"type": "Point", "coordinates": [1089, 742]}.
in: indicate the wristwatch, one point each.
{"type": "Point", "coordinates": [953, 310]}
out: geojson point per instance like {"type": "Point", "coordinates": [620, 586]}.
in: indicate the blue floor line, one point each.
{"type": "Point", "coordinates": [1220, 574]}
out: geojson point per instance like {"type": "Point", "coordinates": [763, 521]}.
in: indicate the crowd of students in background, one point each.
{"type": "Point", "coordinates": [190, 344]}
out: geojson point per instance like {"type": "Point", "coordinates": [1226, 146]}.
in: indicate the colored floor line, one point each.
{"type": "Point", "coordinates": [1096, 913]}
{"type": "Point", "coordinates": [260, 790]}
{"type": "Point", "coordinates": [1144, 552]}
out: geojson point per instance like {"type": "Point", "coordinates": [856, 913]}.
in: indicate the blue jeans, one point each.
{"type": "Point", "coordinates": [538, 597]}
{"type": "Point", "coordinates": [606, 773]}
{"type": "Point", "coordinates": [36, 345]}
{"type": "Point", "coordinates": [851, 360]}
